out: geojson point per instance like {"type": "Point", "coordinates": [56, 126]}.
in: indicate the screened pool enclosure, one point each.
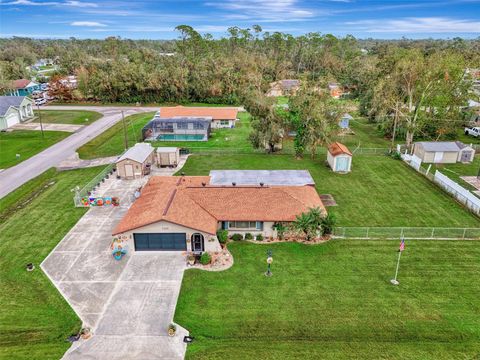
{"type": "Point", "coordinates": [178, 129]}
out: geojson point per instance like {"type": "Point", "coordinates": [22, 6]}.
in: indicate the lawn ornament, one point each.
{"type": "Point", "coordinates": [107, 201]}
{"type": "Point", "coordinates": [119, 247]}
{"type": "Point", "coordinates": [115, 201]}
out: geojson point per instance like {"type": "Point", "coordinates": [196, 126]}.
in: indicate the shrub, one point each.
{"type": "Point", "coordinates": [328, 223]}
{"type": "Point", "coordinates": [205, 258]}
{"type": "Point", "coordinates": [396, 155]}
{"type": "Point", "coordinates": [237, 237]}
{"type": "Point", "coordinates": [259, 237]}
{"type": "Point", "coordinates": [222, 236]}
{"type": "Point", "coordinates": [248, 236]}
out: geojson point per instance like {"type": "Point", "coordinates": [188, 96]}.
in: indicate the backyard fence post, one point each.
{"type": "Point", "coordinates": [464, 232]}
{"type": "Point", "coordinates": [433, 232]}
{"type": "Point", "coordinates": [367, 232]}
{"type": "Point", "coordinates": [401, 233]}
{"type": "Point", "coordinates": [343, 232]}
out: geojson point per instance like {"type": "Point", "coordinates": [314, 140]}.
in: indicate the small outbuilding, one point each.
{"type": "Point", "coordinates": [443, 152]}
{"type": "Point", "coordinates": [339, 158]}
{"type": "Point", "coordinates": [344, 122]}
{"type": "Point", "coordinates": [136, 161]}
{"type": "Point", "coordinates": [168, 156]}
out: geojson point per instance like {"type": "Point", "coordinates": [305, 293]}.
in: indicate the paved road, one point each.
{"type": "Point", "coordinates": [14, 177]}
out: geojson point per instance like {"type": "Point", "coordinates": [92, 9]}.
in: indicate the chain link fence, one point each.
{"type": "Point", "coordinates": [91, 185]}
{"type": "Point", "coordinates": [426, 233]}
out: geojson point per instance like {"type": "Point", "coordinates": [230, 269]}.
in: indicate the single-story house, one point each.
{"type": "Point", "coordinates": [443, 152]}
{"type": "Point", "coordinates": [14, 110]}
{"type": "Point", "coordinates": [344, 122]}
{"type": "Point", "coordinates": [339, 158]}
{"type": "Point", "coordinates": [184, 213]}
{"type": "Point", "coordinates": [136, 161]}
{"type": "Point", "coordinates": [168, 156]}
{"type": "Point", "coordinates": [265, 177]}
{"type": "Point", "coordinates": [178, 128]}
{"type": "Point", "coordinates": [222, 117]}
{"type": "Point", "coordinates": [284, 87]}
{"type": "Point", "coordinates": [23, 87]}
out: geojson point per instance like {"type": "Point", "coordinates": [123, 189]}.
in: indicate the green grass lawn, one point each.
{"type": "Point", "coordinates": [111, 142]}
{"type": "Point", "coordinates": [334, 301]}
{"type": "Point", "coordinates": [26, 143]}
{"type": "Point", "coordinates": [379, 191]}
{"type": "Point", "coordinates": [35, 320]}
{"type": "Point", "coordinates": [75, 117]}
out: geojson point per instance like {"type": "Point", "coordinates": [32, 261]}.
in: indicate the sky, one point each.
{"type": "Point", "coordinates": [150, 19]}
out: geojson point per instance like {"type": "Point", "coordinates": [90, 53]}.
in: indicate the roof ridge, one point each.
{"type": "Point", "coordinates": [293, 197]}
{"type": "Point", "coordinates": [169, 203]}
{"type": "Point", "coordinates": [209, 213]}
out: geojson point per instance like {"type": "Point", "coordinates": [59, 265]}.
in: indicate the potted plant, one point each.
{"type": "Point", "coordinates": [172, 329]}
{"type": "Point", "coordinates": [191, 259]}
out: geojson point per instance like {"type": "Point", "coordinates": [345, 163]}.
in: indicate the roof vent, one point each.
{"type": "Point", "coordinates": [234, 184]}
{"type": "Point", "coordinates": [261, 184]}
{"type": "Point", "coordinates": [204, 184]}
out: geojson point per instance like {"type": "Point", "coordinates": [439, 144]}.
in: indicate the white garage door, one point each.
{"type": "Point", "coordinates": [438, 157]}
{"type": "Point", "coordinates": [12, 119]}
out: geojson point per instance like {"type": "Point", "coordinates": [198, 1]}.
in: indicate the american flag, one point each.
{"type": "Point", "coordinates": [402, 246]}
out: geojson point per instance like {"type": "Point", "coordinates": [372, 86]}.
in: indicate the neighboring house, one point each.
{"type": "Point", "coordinates": [14, 110]}
{"type": "Point", "coordinates": [284, 87]}
{"type": "Point", "coordinates": [222, 117]}
{"type": "Point", "coordinates": [136, 161]}
{"type": "Point", "coordinates": [339, 158]}
{"type": "Point", "coordinates": [335, 90]}
{"type": "Point", "coordinates": [443, 152]}
{"type": "Point", "coordinates": [69, 82]}
{"type": "Point", "coordinates": [23, 87]}
{"type": "Point", "coordinates": [178, 129]}
{"type": "Point", "coordinates": [345, 121]}
{"type": "Point", "coordinates": [168, 156]}
{"type": "Point", "coordinates": [184, 213]}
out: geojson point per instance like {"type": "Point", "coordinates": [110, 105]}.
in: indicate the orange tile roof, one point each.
{"type": "Point", "coordinates": [185, 201]}
{"type": "Point", "coordinates": [217, 113]}
{"type": "Point", "coordinates": [337, 148]}
{"type": "Point", "coordinates": [20, 84]}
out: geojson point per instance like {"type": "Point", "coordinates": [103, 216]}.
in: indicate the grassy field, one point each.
{"type": "Point", "coordinates": [111, 142]}
{"type": "Point", "coordinates": [76, 117]}
{"type": "Point", "coordinates": [35, 320]}
{"type": "Point", "coordinates": [26, 143]}
{"type": "Point", "coordinates": [455, 171]}
{"type": "Point", "coordinates": [379, 191]}
{"type": "Point", "coordinates": [334, 301]}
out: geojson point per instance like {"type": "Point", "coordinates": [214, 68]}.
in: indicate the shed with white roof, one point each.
{"type": "Point", "coordinates": [136, 161]}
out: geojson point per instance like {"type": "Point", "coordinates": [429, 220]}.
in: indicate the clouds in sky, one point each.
{"type": "Point", "coordinates": [87, 24]}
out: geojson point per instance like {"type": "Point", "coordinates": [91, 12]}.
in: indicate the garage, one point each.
{"type": "Point", "coordinates": [160, 242]}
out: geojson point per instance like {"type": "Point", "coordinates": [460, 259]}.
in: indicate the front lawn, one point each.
{"type": "Point", "coordinates": [75, 117]}
{"type": "Point", "coordinates": [35, 320]}
{"type": "Point", "coordinates": [334, 301]}
{"type": "Point", "coordinates": [26, 143]}
{"type": "Point", "coordinates": [379, 191]}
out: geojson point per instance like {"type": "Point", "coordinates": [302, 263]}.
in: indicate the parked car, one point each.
{"type": "Point", "coordinates": [40, 101]}
{"type": "Point", "coordinates": [472, 131]}
{"type": "Point", "coordinates": [44, 86]}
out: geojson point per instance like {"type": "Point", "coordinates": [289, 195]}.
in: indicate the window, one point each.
{"type": "Point", "coordinates": [182, 125]}
{"type": "Point", "coordinates": [224, 122]}
{"type": "Point", "coordinates": [198, 126]}
{"type": "Point", "coordinates": [245, 225]}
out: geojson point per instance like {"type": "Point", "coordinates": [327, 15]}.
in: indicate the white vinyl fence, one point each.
{"type": "Point", "coordinates": [460, 193]}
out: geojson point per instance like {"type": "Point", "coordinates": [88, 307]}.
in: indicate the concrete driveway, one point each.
{"type": "Point", "coordinates": [14, 177]}
{"type": "Point", "coordinates": [128, 304]}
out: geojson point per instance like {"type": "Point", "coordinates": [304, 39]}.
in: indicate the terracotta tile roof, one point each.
{"type": "Point", "coordinates": [185, 201]}
{"type": "Point", "coordinates": [337, 148]}
{"type": "Point", "coordinates": [20, 84]}
{"type": "Point", "coordinates": [217, 113]}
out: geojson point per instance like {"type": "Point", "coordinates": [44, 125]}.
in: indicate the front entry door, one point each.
{"type": "Point", "coordinates": [197, 242]}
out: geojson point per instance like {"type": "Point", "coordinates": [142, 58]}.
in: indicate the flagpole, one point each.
{"type": "Point", "coordinates": [400, 250]}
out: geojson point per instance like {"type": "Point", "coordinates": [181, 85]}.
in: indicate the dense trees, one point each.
{"type": "Point", "coordinates": [415, 85]}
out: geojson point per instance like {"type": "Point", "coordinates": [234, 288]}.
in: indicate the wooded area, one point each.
{"type": "Point", "coordinates": [420, 85]}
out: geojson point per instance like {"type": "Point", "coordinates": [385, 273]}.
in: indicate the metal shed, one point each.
{"type": "Point", "coordinates": [168, 156]}
{"type": "Point", "coordinates": [443, 152]}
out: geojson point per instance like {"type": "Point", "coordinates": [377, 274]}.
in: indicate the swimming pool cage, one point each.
{"type": "Point", "coordinates": [178, 129]}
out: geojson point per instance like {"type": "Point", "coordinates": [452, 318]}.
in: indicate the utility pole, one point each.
{"type": "Point", "coordinates": [40, 119]}
{"type": "Point", "coordinates": [125, 134]}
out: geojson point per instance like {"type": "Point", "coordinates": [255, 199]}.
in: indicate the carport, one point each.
{"type": "Point", "coordinates": [160, 241]}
